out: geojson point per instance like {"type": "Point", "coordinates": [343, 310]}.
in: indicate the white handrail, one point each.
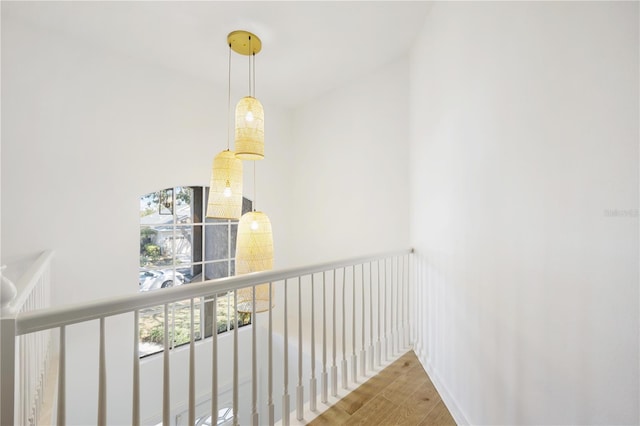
{"type": "Point", "coordinates": [23, 323]}
{"type": "Point", "coordinates": [29, 322]}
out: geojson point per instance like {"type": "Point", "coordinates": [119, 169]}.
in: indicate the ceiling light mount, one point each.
{"type": "Point", "coordinates": [244, 42]}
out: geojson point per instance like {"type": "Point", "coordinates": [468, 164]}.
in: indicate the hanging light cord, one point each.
{"type": "Point", "coordinates": [252, 76]}
{"type": "Point", "coordinates": [229, 101]}
{"type": "Point", "coordinates": [250, 51]}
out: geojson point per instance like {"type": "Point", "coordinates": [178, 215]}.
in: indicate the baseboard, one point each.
{"type": "Point", "coordinates": [448, 400]}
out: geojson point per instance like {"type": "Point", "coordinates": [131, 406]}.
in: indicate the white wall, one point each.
{"type": "Point", "coordinates": [524, 137]}
{"type": "Point", "coordinates": [349, 155]}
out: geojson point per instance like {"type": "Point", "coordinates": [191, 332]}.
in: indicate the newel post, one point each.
{"type": "Point", "coordinates": [7, 352]}
{"type": "Point", "coordinates": [7, 370]}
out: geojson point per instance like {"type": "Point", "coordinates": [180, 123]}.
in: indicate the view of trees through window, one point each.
{"type": "Point", "coordinates": [180, 246]}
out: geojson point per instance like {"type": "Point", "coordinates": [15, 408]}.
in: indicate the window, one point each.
{"type": "Point", "coordinates": [180, 246]}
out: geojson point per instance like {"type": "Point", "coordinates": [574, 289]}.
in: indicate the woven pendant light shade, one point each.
{"type": "Point", "coordinates": [225, 189]}
{"type": "Point", "coordinates": [254, 252]}
{"type": "Point", "coordinates": [249, 129]}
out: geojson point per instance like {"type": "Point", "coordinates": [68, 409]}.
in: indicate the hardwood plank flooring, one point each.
{"type": "Point", "coordinates": [401, 394]}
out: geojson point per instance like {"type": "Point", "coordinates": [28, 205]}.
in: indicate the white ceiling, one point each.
{"type": "Point", "coordinates": [308, 47]}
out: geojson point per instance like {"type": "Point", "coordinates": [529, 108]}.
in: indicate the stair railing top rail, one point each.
{"type": "Point", "coordinates": [25, 285]}
{"type": "Point", "coordinates": [29, 322]}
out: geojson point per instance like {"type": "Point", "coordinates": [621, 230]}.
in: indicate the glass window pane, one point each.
{"type": "Point", "coordinates": [155, 279]}
{"type": "Point", "coordinates": [156, 246]}
{"type": "Point", "coordinates": [180, 313]}
{"type": "Point", "coordinates": [184, 198]}
{"type": "Point", "coordinates": [182, 244]}
{"type": "Point", "coordinates": [247, 205]}
{"type": "Point", "coordinates": [216, 242]}
{"type": "Point", "coordinates": [151, 330]}
{"type": "Point", "coordinates": [166, 202]}
{"type": "Point", "coordinates": [214, 220]}
{"type": "Point", "coordinates": [149, 204]}
{"type": "Point", "coordinates": [196, 274]}
{"type": "Point", "coordinates": [187, 273]}
{"type": "Point", "coordinates": [198, 206]}
{"type": "Point", "coordinates": [222, 313]}
{"type": "Point", "coordinates": [234, 234]}
{"type": "Point", "coordinates": [216, 270]}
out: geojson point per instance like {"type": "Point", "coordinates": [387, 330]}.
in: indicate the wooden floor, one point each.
{"type": "Point", "coordinates": [401, 394]}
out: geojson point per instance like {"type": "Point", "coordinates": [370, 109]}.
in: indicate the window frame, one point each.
{"type": "Point", "coordinates": [202, 231]}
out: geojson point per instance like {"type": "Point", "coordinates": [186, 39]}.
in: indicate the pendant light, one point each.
{"type": "Point", "coordinates": [225, 188]}
{"type": "Point", "coordinates": [254, 243]}
{"type": "Point", "coordinates": [249, 129]}
{"type": "Point", "coordinates": [254, 252]}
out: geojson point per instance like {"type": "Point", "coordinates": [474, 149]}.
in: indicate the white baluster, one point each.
{"type": "Point", "coordinates": [354, 358]}
{"type": "Point", "coordinates": [202, 315]}
{"type": "Point", "coordinates": [418, 312]}
{"type": "Point", "coordinates": [334, 367]}
{"type": "Point", "coordinates": [413, 313]}
{"type": "Point", "coordinates": [415, 296]}
{"type": "Point", "coordinates": [392, 284]}
{"type": "Point", "coordinates": [31, 364]}
{"type": "Point", "coordinates": [270, 400]}
{"type": "Point", "coordinates": [422, 286]}
{"type": "Point", "coordinates": [410, 280]}
{"type": "Point", "coordinates": [425, 284]}
{"type": "Point", "coordinates": [410, 277]}
{"type": "Point", "coordinates": [102, 379]}
{"type": "Point", "coordinates": [312, 384]}
{"type": "Point", "coordinates": [235, 357]}
{"type": "Point", "coordinates": [192, 368]}
{"type": "Point", "coordinates": [371, 351]}
{"type": "Point", "coordinates": [325, 376]}
{"type": "Point", "coordinates": [214, 360]}
{"type": "Point", "coordinates": [24, 378]}
{"type": "Point", "coordinates": [62, 377]}
{"type": "Point", "coordinates": [345, 383]}
{"type": "Point", "coordinates": [400, 307]}
{"type": "Point", "coordinates": [300, 387]}
{"type": "Point", "coordinates": [173, 325]}
{"type": "Point", "coordinates": [378, 316]}
{"type": "Point", "coordinates": [285, 395]}
{"type": "Point", "coordinates": [363, 354]}
{"type": "Point", "coordinates": [254, 364]}
{"type": "Point", "coordinates": [385, 300]}
{"type": "Point", "coordinates": [405, 305]}
{"type": "Point", "coordinates": [166, 372]}
{"type": "Point", "coordinates": [135, 411]}
{"type": "Point", "coordinates": [420, 299]}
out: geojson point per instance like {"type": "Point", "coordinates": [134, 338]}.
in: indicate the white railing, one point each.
{"type": "Point", "coordinates": [30, 353]}
{"type": "Point", "coordinates": [368, 311]}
